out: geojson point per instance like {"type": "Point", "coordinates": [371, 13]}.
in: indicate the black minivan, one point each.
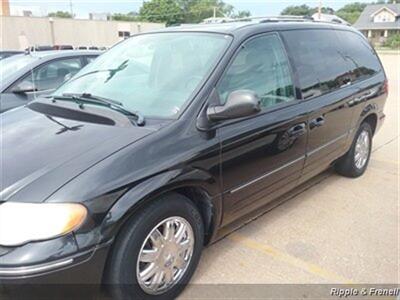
{"type": "Point", "coordinates": [172, 139]}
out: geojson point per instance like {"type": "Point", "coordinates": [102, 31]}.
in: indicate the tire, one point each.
{"type": "Point", "coordinates": [121, 276]}
{"type": "Point", "coordinates": [348, 165]}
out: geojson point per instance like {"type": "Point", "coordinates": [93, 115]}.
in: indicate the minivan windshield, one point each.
{"type": "Point", "coordinates": [155, 74]}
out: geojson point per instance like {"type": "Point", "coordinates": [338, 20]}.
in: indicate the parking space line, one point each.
{"type": "Point", "coordinates": [385, 161]}
{"type": "Point", "coordinates": [376, 148]}
{"type": "Point", "coordinates": [291, 260]}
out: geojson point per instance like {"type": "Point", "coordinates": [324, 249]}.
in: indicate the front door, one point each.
{"type": "Point", "coordinates": [262, 156]}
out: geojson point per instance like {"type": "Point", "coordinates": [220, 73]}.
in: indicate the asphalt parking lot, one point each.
{"type": "Point", "coordinates": [338, 231]}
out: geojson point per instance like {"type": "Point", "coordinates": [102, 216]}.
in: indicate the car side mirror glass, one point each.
{"type": "Point", "coordinates": [241, 103]}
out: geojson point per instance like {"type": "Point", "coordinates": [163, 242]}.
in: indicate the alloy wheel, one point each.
{"type": "Point", "coordinates": [165, 255]}
{"type": "Point", "coordinates": [361, 152]}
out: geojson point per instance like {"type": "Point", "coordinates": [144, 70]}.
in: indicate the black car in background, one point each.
{"type": "Point", "coordinates": [25, 77]}
{"type": "Point", "coordinates": [39, 48]}
{"type": "Point", "coordinates": [5, 54]}
{"type": "Point", "coordinates": [63, 47]}
{"type": "Point", "coordinates": [172, 139]}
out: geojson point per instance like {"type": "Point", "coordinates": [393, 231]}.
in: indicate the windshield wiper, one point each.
{"type": "Point", "coordinates": [88, 98]}
{"type": "Point", "coordinates": [112, 72]}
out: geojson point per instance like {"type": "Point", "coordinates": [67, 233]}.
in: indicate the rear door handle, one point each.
{"type": "Point", "coordinates": [363, 97]}
{"type": "Point", "coordinates": [317, 122]}
{"type": "Point", "coordinates": [297, 130]}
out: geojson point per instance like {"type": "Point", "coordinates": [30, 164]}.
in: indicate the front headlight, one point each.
{"type": "Point", "coordinates": [26, 222]}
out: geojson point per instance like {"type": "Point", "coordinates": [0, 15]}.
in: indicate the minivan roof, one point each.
{"type": "Point", "coordinates": [269, 25]}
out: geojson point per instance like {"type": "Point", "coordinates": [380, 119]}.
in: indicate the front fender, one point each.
{"type": "Point", "coordinates": [109, 213]}
{"type": "Point", "coordinates": [138, 196]}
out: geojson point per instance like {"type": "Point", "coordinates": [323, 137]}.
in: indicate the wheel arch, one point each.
{"type": "Point", "coordinates": [203, 193]}
{"type": "Point", "coordinates": [372, 120]}
{"type": "Point", "coordinates": [370, 115]}
{"type": "Point", "coordinates": [199, 192]}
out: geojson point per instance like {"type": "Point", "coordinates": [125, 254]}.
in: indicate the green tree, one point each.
{"type": "Point", "coordinates": [130, 17]}
{"type": "Point", "coordinates": [185, 11]}
{"type": "Point", "coordinates": [163, 11]}
{"type": "Point", "coordinates": [60, 14]}
{"type": "Point", "coordinates": [393, 41]}
{"type": "Point", "coordinates": [351, 12]}
{"type": "Point", "coordinates": [305, 10]}
{"type": "Point", "coordinates": [298, 10]}
{"type": "Point", "coordinates": [203, 9]}
{"type": "Point", "coordinates": [324, 10]}
{"type": "Point", "coordinates": [242, 14]}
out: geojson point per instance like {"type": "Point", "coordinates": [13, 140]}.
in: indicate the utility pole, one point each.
{"type": "Point", "coordinates": [320, 9]}
{"type": "Point", "coordinates": [215, 12]}
{"type": "Point", "coordinates": [70, 8]}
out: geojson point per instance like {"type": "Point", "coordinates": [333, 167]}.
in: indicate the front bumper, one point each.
{"type": "Point", "coordinates": [78, 268]}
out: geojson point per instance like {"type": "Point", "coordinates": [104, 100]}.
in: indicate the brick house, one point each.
{"type": "Point", "coordinates": [379, 21]}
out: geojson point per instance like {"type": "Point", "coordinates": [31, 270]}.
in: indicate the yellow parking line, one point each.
{"type": "Point", "coordinates": [277, 254]}
{"type": "Point", "coordinates": [395, 162]}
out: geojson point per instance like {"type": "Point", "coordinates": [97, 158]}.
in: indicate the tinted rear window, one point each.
{"type": "Point", "coordinates": [321, 68]}
{"type": "Point", "coordinates": [326, 60]}
{"type": "Point", "coordinates": [359, 55]}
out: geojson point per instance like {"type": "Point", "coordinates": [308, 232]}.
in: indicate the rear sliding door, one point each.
{"type": "Point", "coordinates": [325, 82]}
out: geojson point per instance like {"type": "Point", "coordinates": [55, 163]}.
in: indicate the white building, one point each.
{"type": "Point", "coordinates": [380, 21]}
{"type": "Point", "coordinates": [99, 16]}
{"type": "Point", "coordinates": [26, 11]}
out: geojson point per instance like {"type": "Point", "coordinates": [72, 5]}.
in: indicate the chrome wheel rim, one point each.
{"type": "Point", "coordinates": [361, 152]}
{"type": "Point", "coordinates": [165, 255]}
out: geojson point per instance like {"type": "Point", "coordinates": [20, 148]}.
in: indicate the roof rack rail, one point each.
{"type": "Point", "coordinates": [287, 18]}
{"type": "Point", "coordinates": [263, 19]}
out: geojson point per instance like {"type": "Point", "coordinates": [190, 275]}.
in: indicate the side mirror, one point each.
{"type": "Point", "coordinates": [241, 103]}
{"type": "Point", "coordinates": [24, 87]}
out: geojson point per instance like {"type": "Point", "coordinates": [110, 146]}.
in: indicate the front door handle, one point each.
{"type": "Point", "coordinates": [317, 122]}
{"type": "Point", "coordinates": [297, 130]}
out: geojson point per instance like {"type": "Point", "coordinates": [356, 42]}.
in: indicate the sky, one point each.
{"type": "Point", "coordinates": [81, 8]}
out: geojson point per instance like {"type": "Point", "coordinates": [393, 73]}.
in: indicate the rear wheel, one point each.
{"type": "Point", "coordinates": [355, 162]}
{"type": "Point", "coordinates": [157, 251]}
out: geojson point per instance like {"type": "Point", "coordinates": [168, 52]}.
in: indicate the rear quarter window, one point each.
{"type": "Point", "coordinates": [360, 56]}
{"type": "Point", "coordinates": [326, 59]}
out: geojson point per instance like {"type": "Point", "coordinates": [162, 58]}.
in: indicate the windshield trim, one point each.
{"type": "Point", "coordinates": [207, 76]}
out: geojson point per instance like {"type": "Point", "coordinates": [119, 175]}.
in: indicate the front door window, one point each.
{"type": "Point", "coordinates": [262, 67]}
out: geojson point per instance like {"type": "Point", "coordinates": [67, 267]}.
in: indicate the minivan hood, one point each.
{"type": "Point", "coordinates": [40, 152]}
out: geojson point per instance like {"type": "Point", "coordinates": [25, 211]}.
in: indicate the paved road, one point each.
{"type": "Point", "coordinates": [338, 231]}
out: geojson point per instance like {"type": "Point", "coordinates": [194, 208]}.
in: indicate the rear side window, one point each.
{"type": "Point", "coordinates": [51, 75]}
{"type": "Point", "coordinates": [359, 55]}
{"type": "Point", "coordinates": [320, 66]}
{"type": "Point", "coordinates": [90, 59]}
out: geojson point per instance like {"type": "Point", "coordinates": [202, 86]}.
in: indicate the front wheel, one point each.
{"type": "Point", "coordinates": [355, 162]}
{"type": "Point", "coordinates": [157, 251]}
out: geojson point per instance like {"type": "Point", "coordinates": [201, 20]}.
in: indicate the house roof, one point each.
{"type": "Point", "coordinates": [365, 21]}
